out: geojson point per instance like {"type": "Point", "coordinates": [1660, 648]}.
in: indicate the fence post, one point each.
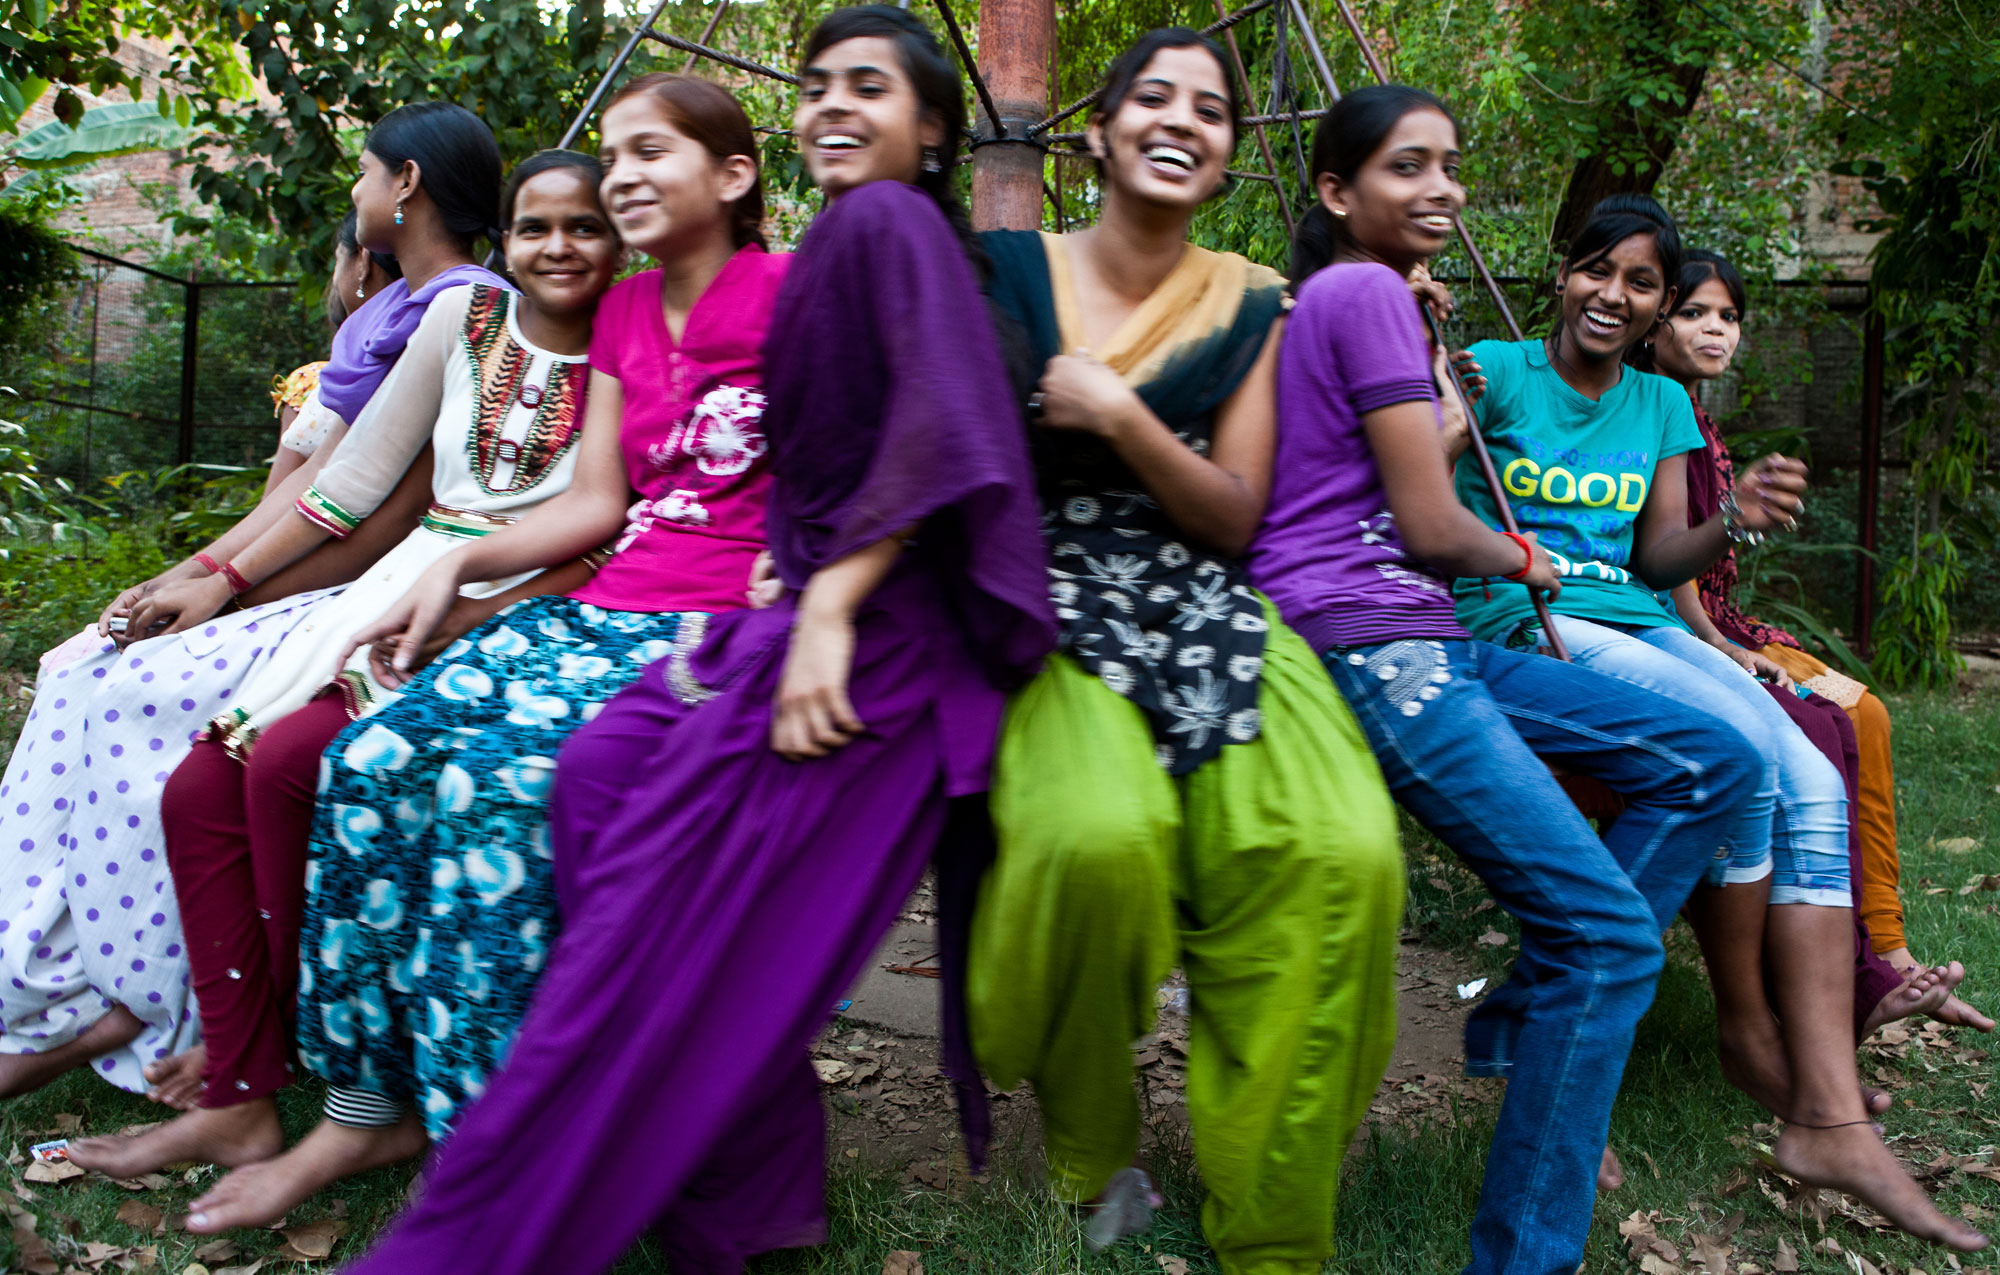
{"type": "Point", "coordinates": [190, 365]}
{"type": "Point", "coordinates": [1869, 513]}
{"type": "Point", "coordinates": [1016, 38]}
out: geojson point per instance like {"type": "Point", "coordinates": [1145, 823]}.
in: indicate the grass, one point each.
{"type": "Point", "coordinates": [1688, 1140]}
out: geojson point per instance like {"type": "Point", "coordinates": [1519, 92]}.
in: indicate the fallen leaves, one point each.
{"type": "Point", "coordinates": [1981, 881]}
{"type": "Point", "coordinates": [1787, 1258]}
{"type": "Point", "coordinates": [51, 1171]}
{"type": "Point", "coordinates": [1957, 845]}
{"type": "Point", "coordinates": [313, 1241]}
{"type": "Point", "coordinates": [140, 1215]}
{"type": "Point", "coordinates": [1492, 938]}
{"type": "Point", "coordinates": [903, 1262]}
{"type": "Point", "coordinates": [1170, 1264]}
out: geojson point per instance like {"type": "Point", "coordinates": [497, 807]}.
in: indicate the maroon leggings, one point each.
{"type": "Point", "coordinates": [236, 843]}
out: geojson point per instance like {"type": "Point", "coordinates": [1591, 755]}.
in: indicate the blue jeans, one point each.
{"type": "Point", "coordinates": [1459, 728]}
{"type": "Point", "coordinates": [1804, 821]}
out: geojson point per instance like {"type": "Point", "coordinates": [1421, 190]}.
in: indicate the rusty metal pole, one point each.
{"type": "Point", "coordinates": [1016, 41]}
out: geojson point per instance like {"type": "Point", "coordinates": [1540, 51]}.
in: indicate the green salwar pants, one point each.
{"type": "Point", "coordinates": [1272, 875]}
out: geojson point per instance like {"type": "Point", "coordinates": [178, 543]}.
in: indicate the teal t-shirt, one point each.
{"type": "Point", "coordinates": [1577, 473]}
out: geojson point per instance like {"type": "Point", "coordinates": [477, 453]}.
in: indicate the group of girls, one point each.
{"type": "Point", "coordinates": [607, 661]}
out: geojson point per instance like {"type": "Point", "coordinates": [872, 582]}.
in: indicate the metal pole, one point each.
{"type": "Point", "coordinates": [1015, 40]}
{"type": "Point", "coordinates": [1871, 480]}
{"type": "Point", "coordinates": [707, 32]}
{"type": "Point", "coordinates": [576, 127]}
{"type": "Point", "coordinates": [190, 367]}
{"type": "Point", "coordinates": [1263, 141]}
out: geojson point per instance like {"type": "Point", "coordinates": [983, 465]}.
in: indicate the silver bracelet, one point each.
{"type": "Point", "coordinates": [1732, 522]}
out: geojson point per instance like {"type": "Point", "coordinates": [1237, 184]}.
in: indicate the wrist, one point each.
{"type": "Point", "coordinates": [821, 612]}
{"type": "Point", "coordinates": [1527, 552]}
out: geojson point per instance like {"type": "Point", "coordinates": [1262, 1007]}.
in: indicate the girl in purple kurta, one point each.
{"type": "Point", "coordinates": [734, 833]}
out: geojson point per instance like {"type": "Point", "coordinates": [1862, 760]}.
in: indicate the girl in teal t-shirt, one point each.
{"type": "Point", "coordinates": [1593, 456]}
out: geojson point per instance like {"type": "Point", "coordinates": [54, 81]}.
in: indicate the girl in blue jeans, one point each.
{"type": "Point", "coordinates": [1361, 539]}
{"type": "Point", "coordinates": [1593, 456]}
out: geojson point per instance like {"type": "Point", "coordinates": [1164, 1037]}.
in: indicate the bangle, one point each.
{"type": "Point", "coordinates": [238, 583]}
{"type": "Point", "coordinates": [1732, 522]}
{"type": "Point", "coordinates": [1527, 549]}
{"type": "Point", "coordinates": [213, 567]}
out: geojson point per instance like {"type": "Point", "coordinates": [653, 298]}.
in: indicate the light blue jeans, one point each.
{"type": "Point", "coordinates": [1460, 728]}
{"type": "Point", "coordinates": [1804, 846]}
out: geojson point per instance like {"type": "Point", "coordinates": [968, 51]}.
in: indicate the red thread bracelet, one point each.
{"type": "Point", "coordinates": [237, 581]}
{"type": "Point", "coordinates": [214, 567]}
{"type": "Point", "coordinates": [1527, 549]}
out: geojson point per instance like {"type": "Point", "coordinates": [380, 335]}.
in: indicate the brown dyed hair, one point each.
{"type": "Point", "coordinates": [707, 113]}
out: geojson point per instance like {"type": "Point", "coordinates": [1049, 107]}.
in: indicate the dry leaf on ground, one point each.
{"type": "Point", "coordinates": [1787, 1258]}
{"type": "Point", "coordinates": [140, 1214]}
{"type": "Point", "coordinates": [903, 1262]}
{"type": "Point", "coordinates": [1711, 1252]}
{"type": "Point", "coordinates": [1170, 1264]}
{"type": "Point", "coordinates": [313, 1241]}
{"type": "Point", "coordinates": [1492, 938]}
{"type": "Point", "coordinates": [1957, 845]}
{"type": "Point", "coordinates": [51, 1171]}
{"type": "Point", "coordinates": [218, 1251]}
{"type": "Point", "coordinates": [251, 1269]}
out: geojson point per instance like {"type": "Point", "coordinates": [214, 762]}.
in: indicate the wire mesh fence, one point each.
{"type": "Point", "coordinates": [133, 368]}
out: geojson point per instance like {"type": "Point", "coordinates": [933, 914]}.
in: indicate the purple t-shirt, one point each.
{"type": "Point", "coordinates": [1328, 553]}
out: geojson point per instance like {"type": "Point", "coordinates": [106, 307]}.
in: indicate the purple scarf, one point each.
{"type": "Point", "coordinates": [890, 406]}
{"type": "Point", "coordinates": [373, 337]}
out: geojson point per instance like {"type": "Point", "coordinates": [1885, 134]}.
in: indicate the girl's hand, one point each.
{"type": "Point", "coordinates": [813, 716]}
{"type": "Point", "coordinates": [121, 609]}
{"type": "Point", "coordinates": [1434, 296]}
{"type": "Point", "coordinates": [1470, 375]}
{"type": "Point", "coordinates": [172, 608]}
{"type": "Point", "coordinates": [1759, 667]}
{"type": "Point", "coordinates": [1079, 392]}
{"type": "Point", "coordinates": [1542, 575]}
{"type": "Point", "coordinates": [765, 586]}
{"type": "Point", "coordinates": [1770, 495]}
{"type": "Point", "coordinates": [402, 640]}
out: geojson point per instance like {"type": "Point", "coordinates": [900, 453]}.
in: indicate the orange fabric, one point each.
{"type": "Point", "coordinates": [1880, 901]}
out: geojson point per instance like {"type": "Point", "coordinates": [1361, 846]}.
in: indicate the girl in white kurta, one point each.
{"type": "Point", "coordinates": [92, 962]}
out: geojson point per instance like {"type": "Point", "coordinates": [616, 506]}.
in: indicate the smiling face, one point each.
{"type": "Point", "coordinates": [560, 248]}
{"type": "Point", "coordinates": [1701, 335]}
{"type": "Point", "coordinates": [1169, 141]}
{"type": "Point", "coordinates": [662, 188]}
{"type": "Point", "coordinates": [375, 193]}
{"type": "Point", "coordinates": [859, 119]}
{"type": "Point", "coordinates": [1612, 303]}
{"type": "Point", "coordinates": [1398, 208]}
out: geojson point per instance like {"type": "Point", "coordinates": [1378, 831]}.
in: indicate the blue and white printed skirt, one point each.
{"type": "Point", "coordinates": [430, 906]}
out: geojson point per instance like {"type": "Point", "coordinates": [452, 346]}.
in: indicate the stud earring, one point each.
{"type": "Point", "coordinates": [931, 164]}
{"type": "Point", "coordinates": [399, 212]}
{"type": "Point", "coordinates": [1339, 212]}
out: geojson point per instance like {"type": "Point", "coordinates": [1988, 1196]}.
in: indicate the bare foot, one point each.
{"type": "Point", "coordinates": [1610, 1173]}
{"type": "Point", "coordinates": [1851, 1159]}
{"type": "Point", "coordinates": [1924, 991]}
{"type": "Point", "coordinates": [228, 1136]}
{"type": "Point", "coordinates": [260, 1194]}
{"type": "Point", "coordinates": [176, 1081]}
{"type": "Point", "coordinates": [25, 1073]}
{"type": "Point", "coordinates": [1957, 1013]}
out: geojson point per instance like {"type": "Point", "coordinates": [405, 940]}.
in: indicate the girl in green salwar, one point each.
{"type": "Point", "coordinates": [1180, 784]}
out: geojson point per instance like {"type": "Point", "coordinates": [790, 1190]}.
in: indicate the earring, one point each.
{"type": "Point", "coordinates": [931, 164]}
{"type": "Point", "coordinates": [1339, 212]}
{"type": "Point", "coordinates": [399, 212]}
{"type": "Point", "coordinates": [359, 293]}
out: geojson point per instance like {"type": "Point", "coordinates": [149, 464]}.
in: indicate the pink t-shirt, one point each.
{"type": "Point", "coordinates": [692, 436]}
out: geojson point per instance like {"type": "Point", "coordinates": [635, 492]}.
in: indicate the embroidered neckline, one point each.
{"type": "Point", "coordinates": [500, 368]}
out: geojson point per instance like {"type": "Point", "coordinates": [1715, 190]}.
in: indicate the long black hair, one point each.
{"type": "Point", "coordinates": [1125, 70]}
{"type": "Point", "coordinates": [1697, 268]}
{"type": "Point", "coordinates": [458, 159]}
{"type": "Point", "coordinates": [1353, 130]}
{"type": "Point", "coordinates": [939, 91]}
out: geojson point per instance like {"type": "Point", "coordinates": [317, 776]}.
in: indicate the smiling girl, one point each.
{"type": "Point", "coordinates": [1180, 784]}
{"type": "Point", "coordinates": [92, 962]}
{"type": "Point", "coordinates": [1594, 457]}
{"type": "Point", "coordinates": [736, 830]}
{"type": "Point", "coordinates": [494, 389]}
